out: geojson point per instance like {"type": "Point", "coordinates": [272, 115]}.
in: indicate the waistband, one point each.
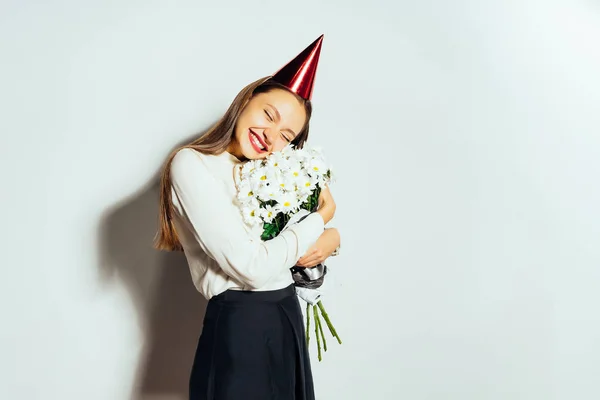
{"type": "Point", "coordinates": [255, 296]}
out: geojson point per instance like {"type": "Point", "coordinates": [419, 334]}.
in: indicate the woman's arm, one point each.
{"type": "Point", "coordinates": [326, 245]}
{"type": "Point", "coordinates": [218, 226]}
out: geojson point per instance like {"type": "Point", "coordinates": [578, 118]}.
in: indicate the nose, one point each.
{"type": "Point", "coordinates": [267, 135]}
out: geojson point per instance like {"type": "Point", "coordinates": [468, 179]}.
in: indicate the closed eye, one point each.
{"type": "Point", "coordinates": [268, 115]}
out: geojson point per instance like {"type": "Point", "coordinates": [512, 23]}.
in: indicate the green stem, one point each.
{"type": "Point", "coordinates": [284, 220]}
{"type": "Point", "coordinates": [328, 321]}
{"type": "Point", "coordinates": [318, 322]}
{"type": "Point", "coordinates": [317, 333]}
{"type": "Point", "coordinates": [307, 323]}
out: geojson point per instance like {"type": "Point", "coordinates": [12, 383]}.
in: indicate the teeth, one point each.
{"type": "Point", "coordinates": [257, 142]}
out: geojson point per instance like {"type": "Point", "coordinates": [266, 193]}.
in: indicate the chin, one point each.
{"type": "Point", "coordinates": [254, 156]}
{"type": "Point", "coordinates": [248, 152]}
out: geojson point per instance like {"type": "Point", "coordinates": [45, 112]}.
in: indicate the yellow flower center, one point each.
{"type": "Point", "coordinates": [286, 204]}
{"type": "Point", "coordinates": [264, 177]}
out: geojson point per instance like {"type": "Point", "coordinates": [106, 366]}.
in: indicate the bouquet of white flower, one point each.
{"type": "Point", "coordinates": [279, 191]}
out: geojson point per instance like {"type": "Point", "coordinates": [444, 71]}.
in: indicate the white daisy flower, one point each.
{"type": "Point", "coordinates": [287, 182]}
{"type": "Point", "coordinates": [277, 161]}
{"type": "Point", "coordinates": [288, 202]}
{"type": "Point", "coordinates": [261, 173]}
{"type": "Point", "coordinates": [245, 191]}
{"type": "Point", "coordinates": [332, 175]}
{"type": "Point", "coordinates": [316, 151]}
{"type": "Point", "coordinates": [305, 184]}
{"type": "Point", "coordinates": [295, 169]}
{"type": "Point", "coordinates": [248, 168]}
{"type": "Point", "coordinates": [268, 213]}
{"type": "Point", "coordinates": [303, 197]}
{"type": "Point", "coordinates": [267, 193]}
{"type": "Point", "coordinates": [288, 150]}
{"type": "Point", "coordinates": [302, 155]}
{"type": "Point", "coordinates": [251, 212]}
{"type": "Point", "coordinates": [273, 175]}
{"type": "Point", "coordinates": [316, 167]}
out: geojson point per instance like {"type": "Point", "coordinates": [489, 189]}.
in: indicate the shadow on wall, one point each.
{"type": "Point", "coordinates": [169, 308]}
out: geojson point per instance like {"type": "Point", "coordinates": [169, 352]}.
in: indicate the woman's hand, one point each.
{"type": "Point", "coordinates": [326, 205]}
{"type": "Point", "coordinates": [321, 250]}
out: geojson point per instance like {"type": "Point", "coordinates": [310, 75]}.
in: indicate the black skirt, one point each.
{"type": "Point", "coordinates": [252, 347]}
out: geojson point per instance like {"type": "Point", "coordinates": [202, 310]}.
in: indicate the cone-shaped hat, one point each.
{"type": "Point", "coordinates": [298, 75]}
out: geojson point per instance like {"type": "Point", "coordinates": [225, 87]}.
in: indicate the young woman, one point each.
{"type": "Point", "coordinates": [252, 345]}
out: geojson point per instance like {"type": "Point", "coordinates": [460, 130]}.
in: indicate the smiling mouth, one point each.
{"type": "Point", "coordinates": [257, 142]}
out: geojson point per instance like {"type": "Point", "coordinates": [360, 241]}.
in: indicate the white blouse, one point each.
{"type": "Point", "coordinates": [223, 252]}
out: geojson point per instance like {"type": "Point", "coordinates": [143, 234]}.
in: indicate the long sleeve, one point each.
{"type": "Point", "coordinates": [218, 226]}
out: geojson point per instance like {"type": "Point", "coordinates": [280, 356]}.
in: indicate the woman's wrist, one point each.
{"type": "Point", "coordinates": [338, 243]}
{"type": "Point", "coordinates": [332, 240]}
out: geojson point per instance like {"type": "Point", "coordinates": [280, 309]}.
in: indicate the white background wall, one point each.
{"type": "Point", "coordinates": [466, 139]}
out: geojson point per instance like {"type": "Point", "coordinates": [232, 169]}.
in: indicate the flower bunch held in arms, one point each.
{"type": "Point", "coordinates": [279, 191]}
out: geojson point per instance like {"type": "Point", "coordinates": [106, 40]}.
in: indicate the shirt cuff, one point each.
{"type": "Point", "coordinates": [336, 251]}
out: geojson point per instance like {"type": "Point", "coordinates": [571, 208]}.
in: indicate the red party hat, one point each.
{"type": "Point", "coordinates": [298, 75]}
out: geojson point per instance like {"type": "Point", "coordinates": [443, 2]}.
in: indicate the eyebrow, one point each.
{"type": "Point", "coordinates": [279, 117]}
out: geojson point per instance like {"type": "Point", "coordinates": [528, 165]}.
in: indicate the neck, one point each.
{"type": "Point", "coordinates": [233, 149]}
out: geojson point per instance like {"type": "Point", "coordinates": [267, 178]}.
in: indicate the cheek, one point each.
{"type": "Point", "coordinates": [243, 123]}
{"type": "Point", "coordinates": [279, 144]}
{"type": "Point", "coordinates": [241, 131]}
{"type": "Point", "coordinates": [238, 132]}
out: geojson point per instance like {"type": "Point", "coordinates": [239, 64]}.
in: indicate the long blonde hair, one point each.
{"type": "Point", "coordinates": [215, 141]}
